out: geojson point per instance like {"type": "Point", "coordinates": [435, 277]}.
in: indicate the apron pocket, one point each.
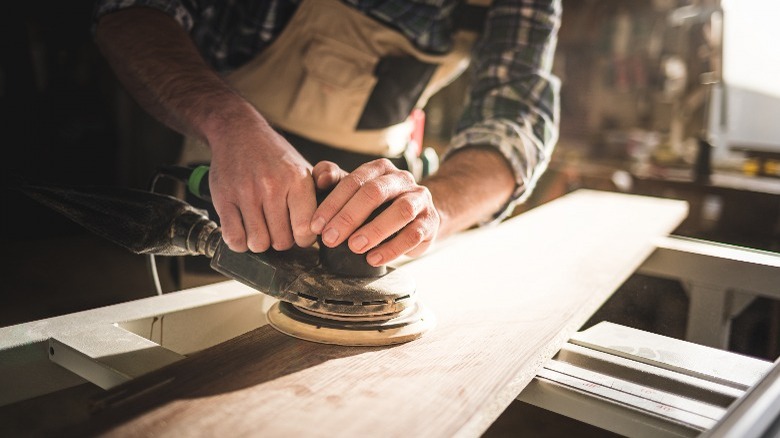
{"type": "Point", "coordinates": [401, 81]}
{"type": "Point", "coordinates": [337, 82]}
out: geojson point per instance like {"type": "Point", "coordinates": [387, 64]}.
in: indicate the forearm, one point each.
{"type": "Point", "coordinates": [513, 105]}
{"type": "Point", "coordinates": [469, 187]}
{"type": "Point", "coordinates": [158, 64]}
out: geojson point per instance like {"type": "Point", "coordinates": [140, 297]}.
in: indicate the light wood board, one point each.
{"type": "Point", "coordinates": [506, 299]}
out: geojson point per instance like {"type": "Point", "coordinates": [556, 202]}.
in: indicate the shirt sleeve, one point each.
{"type": "Point", "coordinates": [176, 9]}
{"type": "Point", "coordinates": [513, 103]}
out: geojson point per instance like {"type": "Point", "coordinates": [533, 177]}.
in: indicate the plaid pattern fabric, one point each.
{"type": "Point", "coordinates": [513, 104]}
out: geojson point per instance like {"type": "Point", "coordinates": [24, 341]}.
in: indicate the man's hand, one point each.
{"type": "Point", "coordinates": [262, 189]}
{"type": "Point", "coordinates": [356, 195]}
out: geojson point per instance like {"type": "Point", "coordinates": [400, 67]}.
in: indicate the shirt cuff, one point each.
{"type": "Point", "coordinates": [172, 8]}
{"type": "Point", "coordinates": [523, 151]}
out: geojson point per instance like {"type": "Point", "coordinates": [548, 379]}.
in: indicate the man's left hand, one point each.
{"type": "Point", "coordinates": [356, 195]}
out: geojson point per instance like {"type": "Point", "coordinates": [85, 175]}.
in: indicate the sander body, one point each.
{"type": "Point", "coordinates": [325, 295]}
{"type": "Point", "coordinates": [319, 305]}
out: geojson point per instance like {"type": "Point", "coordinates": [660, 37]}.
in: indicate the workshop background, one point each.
{"type": "Point", "coordinates": [645, 109]}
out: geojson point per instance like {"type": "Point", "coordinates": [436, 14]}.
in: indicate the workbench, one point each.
{"type": "Point", "coordinates": [203, 362]}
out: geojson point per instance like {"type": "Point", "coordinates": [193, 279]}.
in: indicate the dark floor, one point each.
{"type": "Point", "coordinates": [523, 419]}
{"type": "Point", "coordinates": [56, 276]}
{"type": "Point", "coordinates": [660, 306]}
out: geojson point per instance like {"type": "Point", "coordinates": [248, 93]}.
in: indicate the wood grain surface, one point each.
{"type": "Point", "coordinates": [506, 298]}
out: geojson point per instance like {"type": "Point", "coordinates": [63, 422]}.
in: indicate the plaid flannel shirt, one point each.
{"type": "Point", "coordinates": [513, 103]}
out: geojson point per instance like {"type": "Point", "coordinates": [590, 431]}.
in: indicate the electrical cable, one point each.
{"type": "Point", "coordinates": [177, 173]}
{"type": "Point", "coordinates": [150, 259]}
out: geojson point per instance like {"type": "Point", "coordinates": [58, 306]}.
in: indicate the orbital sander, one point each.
{"type": "Point", "coordinates": [349, 304]}
{"type": "Point", "coordinates": [325, 295]}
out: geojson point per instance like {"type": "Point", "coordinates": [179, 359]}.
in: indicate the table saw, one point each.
{"type": "Point", "coordinates": [203, 361]}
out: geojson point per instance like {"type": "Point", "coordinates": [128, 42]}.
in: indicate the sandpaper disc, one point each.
{"type": "Point", "coordinates": [396, 329]}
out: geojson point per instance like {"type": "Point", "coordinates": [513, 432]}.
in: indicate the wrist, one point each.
{"type": "Point", "coordinates": [219, 112]}
{"type": "Point", "coordinates": [471, 186]}
{"type": "Point", "coordinates": [230, 116]}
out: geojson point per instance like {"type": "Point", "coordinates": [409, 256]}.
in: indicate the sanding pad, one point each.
{"type": "Point", "coordinates": [374, 330]}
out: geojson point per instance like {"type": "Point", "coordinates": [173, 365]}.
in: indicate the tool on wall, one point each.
{"type": "Point", "coordinates": [326, 295]}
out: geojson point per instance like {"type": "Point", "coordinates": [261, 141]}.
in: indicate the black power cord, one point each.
{"type": "Point", "coordinates": [196, 181]}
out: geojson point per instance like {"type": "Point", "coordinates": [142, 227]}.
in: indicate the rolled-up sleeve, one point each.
{"type": "Point", "coordinates": [514, 104]}
{"type": "Point", "coordinates": [176, 9]}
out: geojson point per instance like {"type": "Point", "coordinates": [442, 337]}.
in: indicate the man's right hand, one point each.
{"type": "Point", "coordinates": [261, 187]}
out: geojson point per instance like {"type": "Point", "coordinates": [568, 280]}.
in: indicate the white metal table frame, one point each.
{"type": "Point", "coordinates": [721, 281]}
{"type": "Point", "coordinates": [591, 373]}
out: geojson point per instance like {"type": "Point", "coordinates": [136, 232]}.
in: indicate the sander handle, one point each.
{"type": "Point", "coordinates": [340, 260]}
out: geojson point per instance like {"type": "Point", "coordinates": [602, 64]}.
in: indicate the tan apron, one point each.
{"type": "Point", "coordinates": [315, 79]}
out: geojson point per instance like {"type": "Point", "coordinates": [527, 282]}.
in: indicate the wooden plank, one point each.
{"type": "Point", "coordinates": [506, 299]}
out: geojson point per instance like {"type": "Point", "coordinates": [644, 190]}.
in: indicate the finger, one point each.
{"type": "Point", "coordinates": [257, 236]}
{"type": "Point", "coordinates": [327, 174]}
{"type": "Point", "coordinates": [416, 234]}
{"type": "Point", "coordinates": [401, 212]}
{"type": "Point", "coordinates": [277, 218]}
{"type": "Point", "coordinates": [232, 226]}
{"type": "Point", "coordinates": [344, 190]}
{"type": "Point", "coordinates": [359, 208]}
{"type": "Point", "coordinates": [302, 202]}
{"type": "Point", "coordinates": [420, 249]}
